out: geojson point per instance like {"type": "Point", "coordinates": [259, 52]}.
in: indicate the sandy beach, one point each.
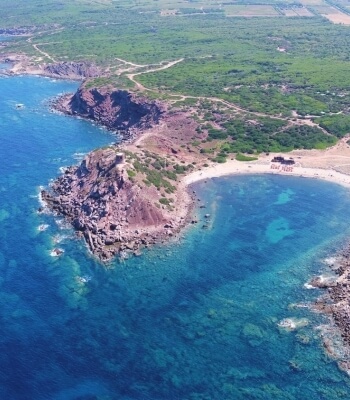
{"type": "Point", "coordinates": [332, 165]}
{"type": "Point", "coordinates": [234, 167]}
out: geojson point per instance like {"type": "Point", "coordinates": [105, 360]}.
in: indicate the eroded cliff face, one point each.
{"type": "Point", "coordinates": [115, 109]}
{"type": "Point", "coordinates": [72, 70]}
{"type": "Point", "coordinates": [110, 212]}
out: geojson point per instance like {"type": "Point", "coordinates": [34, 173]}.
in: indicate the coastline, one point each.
{"type": "Point", "coordinates": [234, 167]}
{"type": "Point", "coordinates": [154, 128]}
{"type": "Point", "coordinates": [333, 301]}
{"type": "Point", "coordinates": [312, 165]}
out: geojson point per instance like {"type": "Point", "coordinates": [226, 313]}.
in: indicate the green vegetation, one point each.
{"type": "Point", "coordinates": [220, 158]}
{"type": "Point", "coordinates": [273, 65]}
{"type": "Point", "coordinates": [164, 200]}
{"type": "Point", "coordinates": [154, 170]}
{"type": "Point", "coordinates": [242, 157]}
{"type": "Point", "coordinates": [253, 136]}
{"type": "Point", "coordinates": [338, 125]}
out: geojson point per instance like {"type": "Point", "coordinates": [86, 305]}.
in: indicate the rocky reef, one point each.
{"type": "Point", "coordinates": [112, 213]}
{"type": "Point", "coordinates": [336, 301]}
{"type": "Point", "coordinates": [117, 110]}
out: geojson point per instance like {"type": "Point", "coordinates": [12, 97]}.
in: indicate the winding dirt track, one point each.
{"type": "Point", "coordinates": [162, 67]}
{"type": "Point", "coordinates": [139, 86]}
{"type": "Point", "coordinates": [44, 53]}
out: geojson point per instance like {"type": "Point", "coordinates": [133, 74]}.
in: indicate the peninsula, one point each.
{"type": "Point", "coordinates": [134, 193]}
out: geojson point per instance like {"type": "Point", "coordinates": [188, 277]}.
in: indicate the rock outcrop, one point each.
{"type": "Point", "coordinates": [115, 109]}
{"type": "Point", "coordinates": [336, 302]}
{"type": "Point", "coordinates": [72, 70]}
{"type": "Point", "coordinates": [112, 213]}
{"type": "Point", "coordinates": [19, 30]}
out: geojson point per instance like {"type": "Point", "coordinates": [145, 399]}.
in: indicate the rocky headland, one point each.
{"type": "Point", "coordinates": [113, 213]}
{"type": "Point", "coordinates": [71, 70]}
{"type": "Point", "coordinates": [22, 64]}
{"type": "Point", "coordinates": [117, 110]}
{"type": "Point", "coordinates": [123, 197]}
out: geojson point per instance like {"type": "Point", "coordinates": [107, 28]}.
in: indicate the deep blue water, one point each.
{"type": "Point", "coordinates": [191, 320]}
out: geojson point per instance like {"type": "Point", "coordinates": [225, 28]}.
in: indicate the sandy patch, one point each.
{"type": "Point", "coordinates": [338, 18]}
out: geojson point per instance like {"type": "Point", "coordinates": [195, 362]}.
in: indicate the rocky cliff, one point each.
{"type": "Point", "coordinates": [110, 212]}
{"type": "Point", "coordinates": [115, 109]}
{"type": "Point", "coordinates": [72, 70]}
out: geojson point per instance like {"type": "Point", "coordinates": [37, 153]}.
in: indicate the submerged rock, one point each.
{"type": "Point", "coordinates": [253, 334]}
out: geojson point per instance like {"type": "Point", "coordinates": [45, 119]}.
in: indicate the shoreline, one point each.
{"type": "Point", "coordinates": [312, 165]}
{"type": "Point", "coordinates": [333, 302]}
{"type": "Point", "coordinates": [234, 167]}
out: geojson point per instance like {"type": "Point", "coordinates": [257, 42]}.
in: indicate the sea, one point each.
{"type": "Point", "coordinates": [198, 318]}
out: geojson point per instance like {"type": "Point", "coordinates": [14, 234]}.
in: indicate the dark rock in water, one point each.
{"type": "Point", "coordinates": [322, 282]}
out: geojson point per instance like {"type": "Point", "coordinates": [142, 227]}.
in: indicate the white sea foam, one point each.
{"type": "Point", "coordinates": [291, 324]}
{"type": "Point", "coordinates": [79, 156]}
{"type": "Point", "coordinates": [308, 286]}
{"type": "Point", "coordinates": [42, 227]}
{"type": "Point", "coordinates": [330, 260]}
{"type": "Point", "coordinates": [59, 238]}
{"type": "Point", "coordinates": [62, 224]}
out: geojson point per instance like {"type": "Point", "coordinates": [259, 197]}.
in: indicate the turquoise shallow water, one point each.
{"type": "Point", "coordinates": [196, 319]}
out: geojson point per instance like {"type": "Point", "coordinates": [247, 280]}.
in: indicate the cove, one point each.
{"type": "Point", "coordinates": [193, 319]}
